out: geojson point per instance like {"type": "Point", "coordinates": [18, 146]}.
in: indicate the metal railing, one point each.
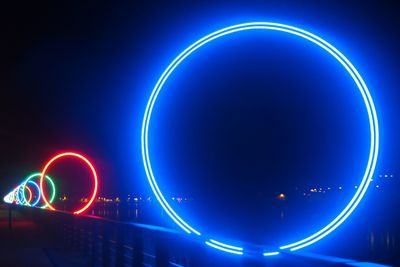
{"type": "Point", "coordinates": [106, 242]}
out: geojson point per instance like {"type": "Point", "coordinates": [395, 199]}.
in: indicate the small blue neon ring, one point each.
{"type": "Point", "coordinates": [38, 195]}
{"type": "Point", "coordinates": [372, 116]}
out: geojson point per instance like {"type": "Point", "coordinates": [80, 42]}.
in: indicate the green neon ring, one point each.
{"type": "Point", "coordinates": [53, 194]}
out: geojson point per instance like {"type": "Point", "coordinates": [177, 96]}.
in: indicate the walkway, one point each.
{"type": "Point", "coordinates": [27, 244]}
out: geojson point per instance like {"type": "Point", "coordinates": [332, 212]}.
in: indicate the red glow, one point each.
{"type": "Point", "coordinates": [75, 155]}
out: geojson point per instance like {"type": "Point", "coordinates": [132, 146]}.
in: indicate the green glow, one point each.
{"type": "Point", "coordinates": [53, 189]}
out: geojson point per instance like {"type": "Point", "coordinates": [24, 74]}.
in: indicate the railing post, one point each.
{"type": "Point", "coordinates": [94, 241]}
{"type": "Point", "coordinates": [119, 245]}
{"type": "Point", "coordinates": [75, 236]}
{"type": "Point", "coordinates": [162, 257]}
{"type": "Point", "coordinates": [86, 235]}
{"type": "Point", "coordinates": [137, 248]}
{"type": "Point", "coordinates": [69, 235]}
{"type": "Point", "coordinates": [106, 245]}
{"type": "Point", "coordinates": [82, 237]}
{"type": "Point", "coordinates": [196, 254]}
{"type": "Point", "coordinates": [10, 216]}
{"type": "Point", "coordinates": [66, 234]}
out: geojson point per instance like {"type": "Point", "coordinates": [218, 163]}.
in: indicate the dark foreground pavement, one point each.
{"type": "Point", "coordinates": [28, 244]}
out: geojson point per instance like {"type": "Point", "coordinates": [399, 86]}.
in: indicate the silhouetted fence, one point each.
{"type": "Point", "coordinates": [107, 242]}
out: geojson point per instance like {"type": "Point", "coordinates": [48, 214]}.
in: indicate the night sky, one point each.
{"type": "Point", "coordinates": [244, 119]}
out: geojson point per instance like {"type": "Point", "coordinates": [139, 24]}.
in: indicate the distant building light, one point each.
{"type": "Point", "coordinates": [377, 186]}
{"type": "Point", "coordinates": [355, 187]}
{"type": "Point", "coordinates": [281, 196]}
{"type": "Point", "coordinates": [386, 175]}
{"type": "Point", "coordinates": [340, 188]}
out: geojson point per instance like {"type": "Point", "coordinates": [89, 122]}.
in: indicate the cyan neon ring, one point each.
{"type": "Point", "coordinates": [53, 188]}
{"type": "Point", "coordinates": [28, 202]}
{"type": "Point", "coordinates": [372, 117]}
{"type": "Point", "coordinates": [19, 195]}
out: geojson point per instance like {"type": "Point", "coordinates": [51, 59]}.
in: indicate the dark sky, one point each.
{"type": "Point", "coordinates": [76, 76]}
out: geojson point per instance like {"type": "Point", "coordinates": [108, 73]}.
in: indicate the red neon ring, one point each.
{"type": "Point", "coordinates": [76, 155]}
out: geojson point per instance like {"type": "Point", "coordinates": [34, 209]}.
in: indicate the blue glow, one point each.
{"type": "Point", "coordinates": [337, 260]}
{"type": "Point", "coordinates": [372, 116]}
{"type": "Point", "coordinates": [19, 195]}
{"type": "Point", "coordinates": [274, 253]}
{"type": "Point", "coordinates": [225, 245]}
{"type": "Point", "coordinates": [38, 195]}
{"type": "Point", "coordinates": [224, 249]}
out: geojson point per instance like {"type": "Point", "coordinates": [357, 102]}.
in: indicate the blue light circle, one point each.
{"type": "Point", "coordinates": [372, 116]}
{"type": "Point", "coordinates": [38, 195]}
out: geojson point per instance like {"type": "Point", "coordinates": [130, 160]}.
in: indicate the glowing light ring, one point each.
{"type": "Point", "coordinates": [74, 155]}
{"type": "Point", "coordinates": [25, 186]}
{"type": "Point", "coordinates": [370, 107]}
{"type": "Point", "coordinates": [223, 248]}
{"type": "Point", "coordinates": [20, 189]}
{"type": "Point", "coordinates": [30, 195]}
{"type": "Point", "coordinates": [53, 191]}
{"type": "Point", "coordinates": [273, 253]}
{"type": "Point", "coordinates": [14, 195]}
{"type": "Point", "coordinates": [53, 194]}
{"type": "Point", "coordinates": [19, 195]}
{"type": "Point", "coordinates": [9, 198]}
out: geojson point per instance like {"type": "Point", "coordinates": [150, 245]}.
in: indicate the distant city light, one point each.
{"type": "Point", "coordinates": [281, 196]}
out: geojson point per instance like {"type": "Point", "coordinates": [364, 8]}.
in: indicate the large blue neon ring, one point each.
{"type": "Point", "coordinates": [372, 116]}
